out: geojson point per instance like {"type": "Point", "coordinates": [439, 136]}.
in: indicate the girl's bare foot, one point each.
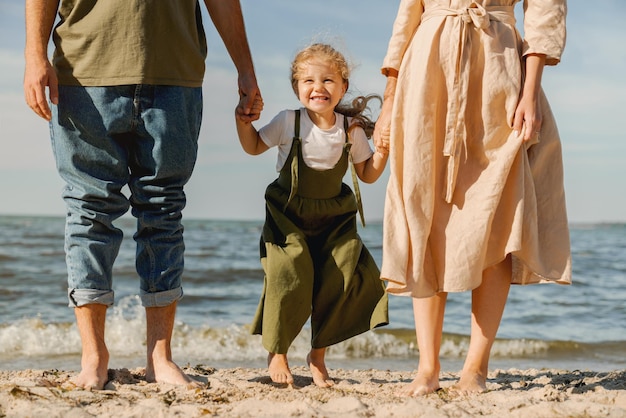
{"type": "Point", "coordinates": [423, 384]}
{"type": "Point", "coordinates": [315, 360]}
{"type": "Point", "coordinates": [279, 368]}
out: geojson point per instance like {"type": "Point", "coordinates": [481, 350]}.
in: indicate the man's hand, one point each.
{"type": "Point", "coordinates": [250, 100]}
{"type": "Point", "coordinates": [38, 76]}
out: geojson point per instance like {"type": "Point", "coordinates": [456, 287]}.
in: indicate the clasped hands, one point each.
{"type": "Point", "coordinates": [382, 135]}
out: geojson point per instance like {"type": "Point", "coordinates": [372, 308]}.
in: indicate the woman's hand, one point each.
{"type": "Point", "coordinates": [382, 143]}
{"type": "Point", "coordinates": [382, 129]}
{"type": "Point", "coordinates": [528, 116]}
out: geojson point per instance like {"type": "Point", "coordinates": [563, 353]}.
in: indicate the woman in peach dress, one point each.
{"type": "Point", "coordinates": [475, 199]}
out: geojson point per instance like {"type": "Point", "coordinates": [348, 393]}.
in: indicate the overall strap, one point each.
{"type": "Point", "coordinates": [355, 181]}
{"type": "Point", "coordinates": [295, 152]}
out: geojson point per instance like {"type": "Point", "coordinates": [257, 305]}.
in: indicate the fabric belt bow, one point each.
{"type": "Point", "coordinates": [480, 17]}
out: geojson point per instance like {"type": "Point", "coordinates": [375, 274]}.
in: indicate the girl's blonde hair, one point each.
{"type": "Point", "coordinates": [358, 108]}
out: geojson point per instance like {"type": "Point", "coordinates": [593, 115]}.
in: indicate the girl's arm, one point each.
{"type": "Point", "coordinates": [249, 137]}
{"type": "Point", "coordinates": [370, 170]}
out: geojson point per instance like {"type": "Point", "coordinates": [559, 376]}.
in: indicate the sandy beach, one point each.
{"type": "Point", "coordinates": [244, 392]}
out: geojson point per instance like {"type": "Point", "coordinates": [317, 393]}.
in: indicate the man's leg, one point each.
{"type": "Point", "coordinates": [93, 165]}
{"type": "Point", "coordinates": [160, 367]}
{"type": "Point", "coordinates": [95, 356]}
{"type": "Point", "coordinates": [162, 159]}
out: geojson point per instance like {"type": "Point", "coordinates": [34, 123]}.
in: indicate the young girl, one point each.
{"type": "Point", "coordinates": [314, 261]}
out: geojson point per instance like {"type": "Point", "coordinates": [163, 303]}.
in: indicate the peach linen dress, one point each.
{"type": "Point", "coordinates": [465, 190]}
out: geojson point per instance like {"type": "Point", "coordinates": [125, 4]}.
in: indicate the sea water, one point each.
{"type": "Point", "coordinates": [582, 326]}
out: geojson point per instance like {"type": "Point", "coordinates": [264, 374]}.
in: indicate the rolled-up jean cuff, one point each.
{"type": "Point", "coordinates": [160, 299]}
{"type": "Point", "coordinates": [81, 297]}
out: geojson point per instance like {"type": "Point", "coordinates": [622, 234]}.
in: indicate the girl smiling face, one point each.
{"type": "Point", "coordinates": [320, 87]}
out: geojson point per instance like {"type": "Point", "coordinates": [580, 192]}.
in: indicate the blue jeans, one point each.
{"type": "Point", "coordinates": [104, 138]}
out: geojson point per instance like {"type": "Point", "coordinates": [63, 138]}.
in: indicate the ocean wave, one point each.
{"type": "Point", "coordinates": [125, 336]}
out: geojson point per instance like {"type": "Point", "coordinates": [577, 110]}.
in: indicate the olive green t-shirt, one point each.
{"type": "Point", "coordinates": [118, 42]}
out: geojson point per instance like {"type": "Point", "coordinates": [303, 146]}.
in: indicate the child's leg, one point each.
{"type": "Point", "coordinates": [488, 301]}
{"type": "Point", "coordinates": [428, 313]}
{"type": "Point", "coordinates": [315, 360]}
{"type": "Point", "coordinates": [279, 368]}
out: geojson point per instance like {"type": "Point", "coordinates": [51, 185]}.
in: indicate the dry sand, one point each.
{"type": "Point", "coordinates": [242, 392]}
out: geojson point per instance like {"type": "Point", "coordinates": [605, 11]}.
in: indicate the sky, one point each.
{"type": "Point", "coordinates": [586, 91]}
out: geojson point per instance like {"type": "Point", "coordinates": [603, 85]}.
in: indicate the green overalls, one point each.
{"type": "Point", "coordinates": [314, 261]}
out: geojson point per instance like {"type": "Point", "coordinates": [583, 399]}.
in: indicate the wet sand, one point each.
{"type": "Point", "coordinates": [246, 392]}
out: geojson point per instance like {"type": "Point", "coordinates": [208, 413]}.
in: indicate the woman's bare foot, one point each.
{"type": "Point", "coordinates": [470, 382]}
{"type": "Point", "coordinates": [279, 368]}
{"type": "Point", "coordinates": [168, 372]}
{"type": "Point", "coordinates": [315, 360]}
{"type": "Point", "coordinates": [423, 384]}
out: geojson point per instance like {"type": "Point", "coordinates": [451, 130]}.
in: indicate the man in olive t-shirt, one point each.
{"type": "Point", "coordinates": [125, 85]}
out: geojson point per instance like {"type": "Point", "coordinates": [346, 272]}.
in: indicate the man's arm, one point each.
{"type": "Point", "coordinates": [228, 20]}
{"type": "Point", "coordinates": [38, 72]}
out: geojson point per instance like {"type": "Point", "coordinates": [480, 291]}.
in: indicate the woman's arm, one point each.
{"type": "Point", "coordinates": [528, 113]}
{"type": "Point", "coordinates": [383, 123]}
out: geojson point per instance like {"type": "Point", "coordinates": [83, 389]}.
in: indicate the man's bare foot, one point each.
{"type": "Point", "coordinates": [279, 368]}
{"type": "Point", "coordinates": [94, 361]}
{"type": "Point", "coordinates": [94, 372]}
{"type": "Point", "coordinates": [168, 372]}
{"type": "Point", "coordinates": [160, 367]}
{"type": "Point", "coordinates": [315, 360]}
{"type": "Point", "coordinates": [470, 383]}
{"type": "Point", "coordinates": [422, 385]}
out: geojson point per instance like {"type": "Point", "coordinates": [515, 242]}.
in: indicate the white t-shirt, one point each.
{"type": "Point", "coordinates": [321, 148]}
